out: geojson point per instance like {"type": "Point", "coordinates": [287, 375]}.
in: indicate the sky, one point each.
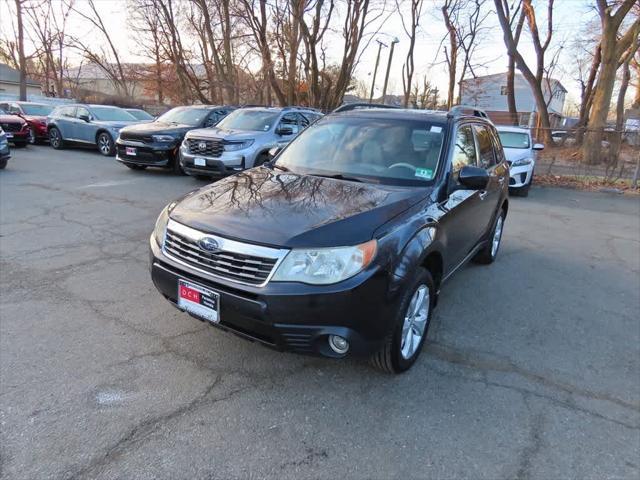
{"type": "Point", "coordinates": [570, 17]}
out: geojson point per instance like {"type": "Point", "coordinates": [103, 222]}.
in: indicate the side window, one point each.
{"type": "Point", "coordinates": [213, 118]}
{"type": "Point", "coordinates": [68, 112]}
{"type": "Point", "coordinates": [290, 120]}
{"type": "Point", "coordinates": [497, 145]}
{"type": "Point", "coordinates": [464, 150]}
{"type": "Point", "coordinates": [485, 146]}
{"type": "Point", "coordinates": [82, 111]}
{"type": "Point", "coordinates": [305, 120]}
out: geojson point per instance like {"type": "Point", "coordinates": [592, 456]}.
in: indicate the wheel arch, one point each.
{"type": "Point", "coordinates": [103, 130]}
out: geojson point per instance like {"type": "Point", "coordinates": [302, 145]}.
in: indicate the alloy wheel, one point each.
{"type": "Point", "coordinates": [497, 236]}
{"type": "Point", "coordinates": [54, 138]}
{"type": "Point", "coordinates": [415, 322]}
{"type": "Point", "coordinates": [104, 144]}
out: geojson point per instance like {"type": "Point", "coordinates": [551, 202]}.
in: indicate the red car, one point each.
{"type": "Point", "coordinates": [15, 128]}
{"type": "Point", "coordinates": [35, 114]}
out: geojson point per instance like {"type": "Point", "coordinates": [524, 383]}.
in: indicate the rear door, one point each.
{"type": "Point", "coordinates": [84, 131]}
{"type": "Point", "coordinates": [487, 159]}
{"type": "Point", "coordinates": [65, 122]}
{"type": "Point", "coordinates": [462, 206]}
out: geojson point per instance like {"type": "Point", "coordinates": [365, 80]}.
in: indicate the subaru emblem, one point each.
{"type": "Point", "coordinates": [209, 244]}
{"type": "Point", "coordinates": [202, 146]}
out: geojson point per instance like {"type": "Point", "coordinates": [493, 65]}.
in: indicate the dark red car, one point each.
{"type": "Point", "coordinates": [35, 114]}
{"type": "Point", "coordinates": [15, 128]}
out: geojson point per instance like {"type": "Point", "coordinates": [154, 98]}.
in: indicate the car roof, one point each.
{"type": "Point", "coordinates": [509, 128]}
{"type": "Point", "coordinates": [398, 113]}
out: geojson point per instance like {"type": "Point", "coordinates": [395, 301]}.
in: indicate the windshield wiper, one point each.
{"type": "Point", "coordinates": [339, 176]}
{"type": "Point", "coordinates": [279, 167]}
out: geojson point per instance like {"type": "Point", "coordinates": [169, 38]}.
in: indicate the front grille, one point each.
{"type": "Point", "coordinates": [225, 264]}
{"type": "Point", "coordinates": [138, 137]}
{"type": "Point", "coordinates": [11, 127]}
{"type": "Point", "coordinates": [206, 148]}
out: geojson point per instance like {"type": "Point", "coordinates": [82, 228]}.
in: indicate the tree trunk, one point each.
{"type": "Point", "coordinates": [511, 94]}
{"type": "Point", "coordinates": [21, 59]}
{"type": "Point", "coordinates": [616, 143]}
{"type": "Point", "coordinates": [592, 146]}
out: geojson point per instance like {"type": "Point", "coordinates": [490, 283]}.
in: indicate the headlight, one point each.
{"type": "Point", "coordinates": [235, 146]}
{"type": "Point", "coordinates": [161, 224]}
{"type": "Point", "coordinates": [323, 266]}
{"type": "Point", "coordinates": [521, 162]}
{"type": "Point", "coordinates": [163, 138]}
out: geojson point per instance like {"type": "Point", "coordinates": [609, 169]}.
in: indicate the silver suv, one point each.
{"type": "Point", "coordinates": [242, 140]}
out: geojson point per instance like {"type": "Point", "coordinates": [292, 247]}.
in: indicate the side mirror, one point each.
{"type": "Point", "coordinates": [474, 178]}
{"type": "Point", "coordinates": [284, 130]}
{"type": "Point", "coordinates": [86, 118]}
{"type": "Point", "coordinates": [274, 151]}
{"type": "Point", "coordinates": [538, 146]}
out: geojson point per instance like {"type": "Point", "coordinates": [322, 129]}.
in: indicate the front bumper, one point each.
{"type": "Point", "coordinates": [147, 155]}
{"type": "Point", "coordinates": [226, 164]}
{"type": "Point", "coordinates": [292, 316]}
{"type": "Point", "coordinates": [18, 137]}
{"type": "Point", "coordinates": [521, 176]}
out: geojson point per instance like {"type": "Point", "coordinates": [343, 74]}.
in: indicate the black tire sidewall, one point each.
{"type": "Point", "coordinates": [420, 277]}
{"type": "Point", "coordinates": [58, 135]}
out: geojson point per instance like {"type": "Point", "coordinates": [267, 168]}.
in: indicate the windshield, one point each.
{"type": "Point", "coordinates": [36, 109]}
{"type": "Point", "coordinates": [392, 151]}
{"type": "Point", "coordinates": [185, 116]}
{"type": "Point", "coordinates": [112, 114]}
{"type": "Point", "coordinates": [250, 120]}
{"type": "Point", "coordinates": [514, 140]}
{"type": "Point", "coordinates": [140, 114]}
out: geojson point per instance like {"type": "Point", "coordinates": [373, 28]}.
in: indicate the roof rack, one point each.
{"type": "Point", "coordinates": [347, 107]}
{"type": "Point", "coordinates": [460, 110]}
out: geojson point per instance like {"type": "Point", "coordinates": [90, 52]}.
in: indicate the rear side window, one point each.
{"type": "Point", "coordinates": [66, 112]}
{"type": "Point", "coordinates": [464, 150]}
{"type": "Point", "coordinates": [485, 146]}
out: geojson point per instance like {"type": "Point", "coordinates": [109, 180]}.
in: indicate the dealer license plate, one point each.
{"type": "Point", "coordinates": [199, 301]}
{"type": "Point", "coordinates": [131, 151]}
{"type": "Point", "coordinates": [200, 162]}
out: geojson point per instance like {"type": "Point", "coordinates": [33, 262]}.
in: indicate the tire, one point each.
{"type": "Point", "coordinates": [488, 254]}
{"type": "Point", "coordinates": [3, 163]}
{"type": "Point", "coordinates": [395, 355]}
{"type": "Point", "coordinates": [55, 138]}
{"type": "Point", "coordinates": [177, 168]}
{"type": "Point", "coordinates": [19, 144]}
{"type": "Point", "coordinates": [32, 137]}
{"type": "Point", "coordinates": [105, 144]}
{"type": "Point", "coordinates": [135, 167]}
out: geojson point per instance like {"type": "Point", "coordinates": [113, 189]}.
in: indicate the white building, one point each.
{"type": "Point", "coordinates": [10, 83]}
{"type": "Point", "coordinates": [490, 94]}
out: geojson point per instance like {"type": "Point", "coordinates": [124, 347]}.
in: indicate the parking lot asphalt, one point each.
{"type": "Point", "coordinates": [532, 368]}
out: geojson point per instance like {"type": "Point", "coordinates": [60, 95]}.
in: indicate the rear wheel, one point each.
{"type": "Point", "coordinates": [490, 251]}
{"type": "Point", "coordinates": [404, 343]}
{"type": "Point", "coordinates": [55, 138]}
{"type": "Point", "coordinates": [105, 144]}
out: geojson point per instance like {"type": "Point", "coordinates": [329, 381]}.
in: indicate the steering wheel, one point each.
{"type": "Point", "coordinates": [403, 165]}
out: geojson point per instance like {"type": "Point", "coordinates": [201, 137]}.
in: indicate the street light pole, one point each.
{"type": "Point", "coordinates": [375, 70]}
{"type": "Point", "coordinates": [386, 78]}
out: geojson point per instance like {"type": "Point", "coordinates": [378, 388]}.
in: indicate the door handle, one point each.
{"type": "Point", "coordinates": [483, 194]}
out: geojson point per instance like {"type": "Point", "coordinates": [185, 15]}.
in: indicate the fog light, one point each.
{"type": "Point", "coordinates": [338, 344]}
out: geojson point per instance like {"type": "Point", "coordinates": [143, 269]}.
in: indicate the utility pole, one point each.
{"type": "Point", "coordinates": [375, 70]}
{"type": "Point", "coordinates": [386, 78]}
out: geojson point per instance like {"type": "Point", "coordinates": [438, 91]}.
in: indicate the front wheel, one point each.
{"type": "Point", "coordinates": [32, 137]}
{"type": "Point", "coordinates": [55, 138]}
{"type": "Point", "coordinates": [404, 343]}
{"type": "Point", "coordinates": [490, 251]}
{"type": "Point", "coordinates": [105, 144]}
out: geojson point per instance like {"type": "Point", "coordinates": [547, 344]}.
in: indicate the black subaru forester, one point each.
{"type": "Point", "coordinates": [340, 244]}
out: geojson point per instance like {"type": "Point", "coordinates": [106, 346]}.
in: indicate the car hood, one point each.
{"type": "Point", "coordinates": [11, 119]}
{"type": "Point", "coordinates": [269, 207]}
{"type": "Point", "coordinates": [514, 154]}
{"type": "Point", "coordinates": [150, 128]}
{"type": "Point", "coordinates": [114, 124]}
{"type": "Point", "coordinates": [35, 118]}
{"type": "Point", "coordinates": [224, 133]}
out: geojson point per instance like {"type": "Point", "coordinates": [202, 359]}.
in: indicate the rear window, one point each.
{"type": "Point", "coordinates": [112, 114]}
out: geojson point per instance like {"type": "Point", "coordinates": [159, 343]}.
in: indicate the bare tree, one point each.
{"type": "Point", "coordinates": [533, 78]}
{"type": "Point", "coordinates": [411, 30]}
{"type": "Point", "coordinates": [21, 57]}
{"type": "Point", "coordinates": [614, 47]}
